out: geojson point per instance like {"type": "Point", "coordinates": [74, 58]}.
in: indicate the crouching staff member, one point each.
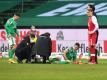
{"type": "Point", "coordinates": [23, 50]}
{"type": "Point", "coordinates": [43, 46]}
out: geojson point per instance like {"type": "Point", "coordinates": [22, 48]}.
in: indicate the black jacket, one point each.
{"type": "Point", "coordinates": [23, 49]}
{"type": "Point", "coordinates": [43, 46]}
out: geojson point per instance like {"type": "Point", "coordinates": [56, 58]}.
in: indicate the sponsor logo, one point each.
{"type": "Point", "coordinates": [83, 47]}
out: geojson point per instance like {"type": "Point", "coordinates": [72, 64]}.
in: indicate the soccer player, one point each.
{"type": "Point", "coordinates": [11, 32]}
{"type": "Point", "coordinates": [68, 56]}
{"type": "Point", "coordinates": [92, 32]}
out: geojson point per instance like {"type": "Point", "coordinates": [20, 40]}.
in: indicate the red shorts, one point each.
{"type": "Point", "coordinates": [92, 39]}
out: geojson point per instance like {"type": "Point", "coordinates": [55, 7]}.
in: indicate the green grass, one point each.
{"type": "Point", "coordinates": [53, 71]}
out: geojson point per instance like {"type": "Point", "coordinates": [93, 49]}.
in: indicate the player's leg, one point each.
{"type": "Point", "coordinates": [58, 59]}
{"type": "Point", "coordinates": [12, 46]}
{"type": "Point", "coordinates": [96, 57]}
{"type": "Point", "coordinates": [92, 47]}
{"type": "Point", "coordinates": [62, 60]}
{"type": "Point", "coordinates": [89, 46]}
{"type": "Point", "coordinates": [92, 51]}
{"type": "Point", "coordinates": [54, 58]}
{"type": "Point", "coordinates": [11, 53]}
{"type": "Point", "coordinates": [97, 33]}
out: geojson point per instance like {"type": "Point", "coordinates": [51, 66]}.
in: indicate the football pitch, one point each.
{"type": "Point", "coordinates": [53, 71]}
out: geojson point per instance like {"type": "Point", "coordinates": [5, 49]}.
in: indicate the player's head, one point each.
{"type": "Point", "coordinates": [16, 16]}
{"type": "Point", "coordinates": [76, 46]}
{"type": "Point", "coordinates": [47, 34]}
{"type": "Point", "coordinates": [33, 28]}
{"type": "Point", "coordinates": [32, 36]}
{"type": "Point", "coordinates": [90, 10]}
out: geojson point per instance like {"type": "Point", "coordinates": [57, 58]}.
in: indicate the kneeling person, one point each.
{"type": "Point", "coordinates": [23, 50]}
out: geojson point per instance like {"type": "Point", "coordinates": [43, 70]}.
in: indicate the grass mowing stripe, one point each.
{"type": "Point", "coordinates": [53, 71]}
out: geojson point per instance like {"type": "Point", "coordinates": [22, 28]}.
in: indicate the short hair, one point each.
{"type": "Point", "coordinates": [77, 44]}
{"type": "Point", "coordinates": [92, 7]}
{"type": "Point", "coordinates": [17, 14]}
{"type": "Point", "coordinates": [47, 34]}
{"type": "Point", "coordinates": [32, 35]}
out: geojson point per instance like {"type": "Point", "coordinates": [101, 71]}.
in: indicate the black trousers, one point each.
{"type": "Point", "coordinates": [23, 54]}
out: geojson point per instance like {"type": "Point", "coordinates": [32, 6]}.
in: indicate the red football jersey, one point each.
{"type": "Point", "coordinates": [91, 25]}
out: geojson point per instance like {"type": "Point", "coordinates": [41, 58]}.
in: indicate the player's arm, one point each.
{"type": "Point", "coordinates": [7, 26]}
{"type": "Point", "coordinates": [95, 22]}
{"type": "Point", "coordinates": [17, 32]}
{"type": "Point", "coordinates": [65, 53]}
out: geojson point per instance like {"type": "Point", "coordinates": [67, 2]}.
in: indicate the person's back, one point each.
{"type": "Point", "coordinates": [23, 50]}
{"type": "Point", "coordinates": [43, 46]}
{"type": "Point", "coordinates": [23, 44]}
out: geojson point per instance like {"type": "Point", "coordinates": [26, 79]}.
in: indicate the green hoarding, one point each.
{"type": "Point", "coordinates": [64, 13]}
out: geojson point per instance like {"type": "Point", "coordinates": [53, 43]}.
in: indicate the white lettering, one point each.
{"type": "Point", "coordinates": [61, 10]}
{"type": "Point", "coordinates": [76, 9]}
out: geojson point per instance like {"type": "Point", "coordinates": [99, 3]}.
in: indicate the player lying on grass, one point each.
{"type": "Point", "coordinates": [70, 55]}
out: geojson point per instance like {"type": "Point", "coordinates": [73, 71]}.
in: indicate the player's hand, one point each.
{"type": "Point", "coordinates": [9, 36]}
{"type": "Point", "coordinates": [14, 46]}
{"type": "Point", "coordinates": [90, 32]}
